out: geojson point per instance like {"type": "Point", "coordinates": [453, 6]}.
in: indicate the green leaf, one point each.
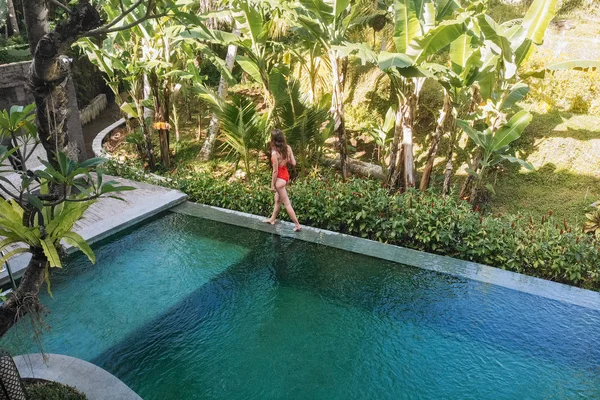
{"type": "Point", "coordinates": [390, 120]}
{"type": "Point", "coordinates": [92, 162]}
{"type": "Point", "coordinates": [389, 60]}
{"type": "Point", "coordinates": [51, 253]}
{"type": "Point", "coordinates": [512, 130]}
{"type": "Point", "coordinates": [460, 51]}
{"type": "Point", "coordinates": [406, 24]}
{"type": "Point", "coordinates": [495, 34]}
{"type": "Point", "coordinates": [517, 93]}
{"type": "Point", "coordinates": [252, 20]}
{"type": "Point", "coordinates": [250, 68]}
{"type": "Point", "coordinates": [76, 240]}
{"type": "Point", "coordinates": [537, 19]}
{"type": "Point", "coordinates": [8, 212]}
{"type": "Point", "coordinates": [474, 134]}
{"type": "Point", "coordinates": [516, 160]}
{"type": "Point", "coordinates": [436, 39]}
{"type": "Point", "coordinates": [35, 201]}
{"type": "Point", "coordinates": [11, 254]}
{"type": "Point", "coordinates": [576, 65]}
{"type": "Point", "coordinates": [362, 51]}
{"type": "Point", "coordinates": [339, 7]}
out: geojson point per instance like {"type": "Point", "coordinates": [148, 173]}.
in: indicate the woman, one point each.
{"type": "Point", "coordinates": [281, 155]}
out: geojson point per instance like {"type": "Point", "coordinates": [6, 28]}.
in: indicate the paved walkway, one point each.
{"type": "Point", "coordinates": [96, 383]}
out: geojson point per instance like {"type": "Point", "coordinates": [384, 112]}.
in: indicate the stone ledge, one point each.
{"type": "Point", "coordinates": [433, 262]}
{"type": "Point", "coordinates": [93, 381]}
{"type": "Point", "coordinates": [99, 139]}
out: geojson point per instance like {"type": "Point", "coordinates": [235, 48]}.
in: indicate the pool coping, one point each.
{"type": "Point", "coordinates": [95, 382]}
{"type": "Point", "coordinates": [433, 262]}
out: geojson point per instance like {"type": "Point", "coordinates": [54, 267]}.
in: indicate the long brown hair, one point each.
{"type": "Point", "coordinates": [279, 144]}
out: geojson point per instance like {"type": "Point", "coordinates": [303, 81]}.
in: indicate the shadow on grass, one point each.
{"type": "Point", "coordinates": [567, 194]}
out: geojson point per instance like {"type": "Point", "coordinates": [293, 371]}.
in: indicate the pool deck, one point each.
{"type": "Point", "coordinates": [108, 216]}
{"type": "Point", "coordinates": [447, 265]}
{"type": "Point", "coordinates": [93, 381]}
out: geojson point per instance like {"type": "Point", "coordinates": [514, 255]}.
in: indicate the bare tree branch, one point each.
{"type": "Point", "coordinates": [104, 30]}
{"type": "Point", "coordinates": [116, 20]}
{"type": "Point", "coordinates": [60, 5]}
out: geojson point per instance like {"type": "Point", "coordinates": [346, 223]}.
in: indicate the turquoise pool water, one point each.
{"type": "Point", "coordinates": [184, 308]}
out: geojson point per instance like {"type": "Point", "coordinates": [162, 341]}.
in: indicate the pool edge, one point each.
{"type": "Point", "coordinates": [433, 262]}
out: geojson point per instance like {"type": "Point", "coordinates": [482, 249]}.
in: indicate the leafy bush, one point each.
{"type": "Point", "coordinates": [14, 53]}
{"type": "Point", "coordinates": [52, 391]}
{"type": "Point", "coordinates": [548, 248]}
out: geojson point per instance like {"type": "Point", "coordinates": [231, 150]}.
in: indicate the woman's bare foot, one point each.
{"type": "Point", "coordinates": [297, 228]}
{"type": "Point", "coordinates": [269, 221]}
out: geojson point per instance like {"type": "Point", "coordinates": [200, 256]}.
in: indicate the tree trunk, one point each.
{"type": "Point", "coordinates": [25, 299]}
{"type": "Point", "coordinates": [161, 108]}
{"type": "Point", "coordinates": [12, 16]}
{"type": "Point", "coordinates": [57, 112]}
{"type": "Point", "coordinates": [394, 150]}
{"type": "Point", "coordinates": [213, 128]}
{"type": "Point", "coordinates": [449, 166]}
{"type": "Point", "coordinates": [407, 141]}
{"type": "Point", "coordinates": [337, 108]}
{"type": "Point", "coordinates": [441, 128]}
{"type": "Point", "coordinates": [467, 187]}
{"type": "Point", "coordinates": [36, 20]}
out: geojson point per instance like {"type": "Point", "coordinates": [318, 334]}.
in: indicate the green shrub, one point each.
{"type": "Point", "coordinates": [52, 391]}
{"type": "Point", "coordinates": [14, 53]}
{"type": "Point", "coordinates": [549, 249]}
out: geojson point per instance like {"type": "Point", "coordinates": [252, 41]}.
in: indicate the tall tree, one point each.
{"type": "Point", "coordinates": [213, 130]}
{"type": "Point", "coordinates": [330, 23]}
{"type": "Point", "coordinates": [12, 16]}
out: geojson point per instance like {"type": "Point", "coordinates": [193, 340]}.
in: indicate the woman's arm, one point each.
{"type": "Point", "coordinates": [291, 156]}
{"type": "Point", "coordinates": [275, 163]}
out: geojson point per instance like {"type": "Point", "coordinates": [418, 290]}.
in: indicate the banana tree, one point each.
{"type": "Point", "coordinates": [461, 95]}
{"type": "Point", "coordinates": [382, 136]}
{"type": "Point", "coordinates": [420, 32]}
{"type": "Point", "coordinates": [330, 22]}
{"type": "Point", "coordinates": [500, 80]}
{"type": "Point", "coordinates": [119, 59]}
{"type": "Point", "coordinates": [494, 143]}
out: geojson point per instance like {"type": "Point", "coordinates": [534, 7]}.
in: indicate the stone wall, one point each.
{"type": "Point", "coordinates": [13, 85]}
{"type": "Point", "coordinates": [14, 91]}
{"type": "Point", "coordinates": [92, 110]}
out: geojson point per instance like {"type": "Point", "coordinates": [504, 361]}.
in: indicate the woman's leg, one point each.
{"type": "Point", "coordinates": [276, 208]}
{"type": "Point", "coordinates": [284, 198]}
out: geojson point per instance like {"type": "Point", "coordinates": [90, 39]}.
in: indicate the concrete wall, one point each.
{"type": "Point", "coordinates": [13, 85]}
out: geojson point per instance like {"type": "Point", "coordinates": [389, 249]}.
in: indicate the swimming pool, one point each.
{"type": "Point", "coordinates": [185, 308]}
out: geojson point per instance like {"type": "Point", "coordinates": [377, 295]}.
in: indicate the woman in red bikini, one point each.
{"type": "Point", "coordinates": [281, 155]}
